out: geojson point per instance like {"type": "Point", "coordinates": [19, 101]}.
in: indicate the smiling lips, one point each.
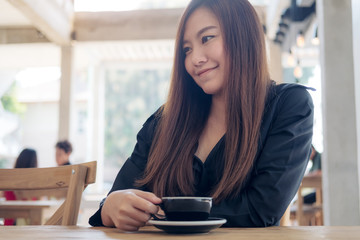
{"type": "Point", "coordinates": [204, 71]}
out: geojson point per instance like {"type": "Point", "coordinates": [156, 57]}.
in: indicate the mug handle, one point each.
{"type": "Point", "coordinates": [158, 216]}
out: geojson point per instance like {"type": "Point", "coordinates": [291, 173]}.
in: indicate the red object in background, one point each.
{"type": "Point", "coordinates": [9, 196]}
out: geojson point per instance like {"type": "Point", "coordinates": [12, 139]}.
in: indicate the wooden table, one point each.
{"type": "Point", "coordinates": [32, 210]}
{"type": "Point", "coordinates": [151, 233]}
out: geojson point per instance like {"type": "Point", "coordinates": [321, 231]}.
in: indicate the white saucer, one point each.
{"type": "Point", "coordinates": [188, 226]}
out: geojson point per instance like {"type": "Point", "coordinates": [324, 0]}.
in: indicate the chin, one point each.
{"type": "Point", "coordinates": [210, 91]}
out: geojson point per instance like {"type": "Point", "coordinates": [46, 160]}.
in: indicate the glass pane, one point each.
{"type": "Point", "coordinates": [132, 94]}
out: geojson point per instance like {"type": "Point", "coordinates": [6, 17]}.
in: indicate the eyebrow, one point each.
{"type": "Point", "coordinates": [202, 31]}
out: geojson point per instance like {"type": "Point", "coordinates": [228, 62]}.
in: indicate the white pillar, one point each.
{"type": "Point", "coordinates": [65, 92]}
{"type": "Point", "coordinates": [340, 156]}
{"type": "Point", "coordinates": [356, 51]}
{"type": "Point", "coordinates": [96, 118]}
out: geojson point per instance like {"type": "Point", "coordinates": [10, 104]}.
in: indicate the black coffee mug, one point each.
{"type": "Point", "coordinates": [186, 208]}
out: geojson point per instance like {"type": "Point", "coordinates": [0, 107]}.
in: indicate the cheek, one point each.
{"type": "Point", "coordinates": [187, 65]}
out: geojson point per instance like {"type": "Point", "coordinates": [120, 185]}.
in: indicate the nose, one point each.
{"type": "Point", "coordinates": [198, 57]}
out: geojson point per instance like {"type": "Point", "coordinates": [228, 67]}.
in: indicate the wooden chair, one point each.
{"type": "Point", "coordinates": [73, 177]}
{"type": "Point", "coordinates": [285, 219]}
{"type": "Point", "coordinates": [309, 214]}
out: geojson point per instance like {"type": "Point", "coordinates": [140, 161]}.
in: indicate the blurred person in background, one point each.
{"type": "Point", "coordinates": [26, 159]}
{"type": "Point", "coordinates": [63, 152]}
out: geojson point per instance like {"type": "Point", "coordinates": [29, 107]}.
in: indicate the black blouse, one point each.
{"type": "Point", "coordinates": [281, 160]}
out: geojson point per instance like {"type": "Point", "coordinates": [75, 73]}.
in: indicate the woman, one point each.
{"type": "Point", "coordinates": [26, 159]}
{"type": "Point", "coordinates": [226, 130]}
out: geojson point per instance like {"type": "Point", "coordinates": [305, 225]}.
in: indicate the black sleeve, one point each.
{"type": "Point", "coordinates": [134, 166]}
{"type": "Point", "coordinates": [279, 167]}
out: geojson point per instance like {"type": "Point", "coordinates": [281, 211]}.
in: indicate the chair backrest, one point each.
{"type": "Point", "coordinates": [58, 193]}
{"type": "Point", "coordinates": [73, 177]}
{"type": "Point", "coordinates": [316, 209]}
{"type": "Point", "coordinates": [285, 219]}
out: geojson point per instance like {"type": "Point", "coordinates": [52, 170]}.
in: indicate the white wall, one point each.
{"type": "Point", "coordinates": [40, 130]}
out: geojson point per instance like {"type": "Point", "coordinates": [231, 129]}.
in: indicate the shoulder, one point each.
{"type": "Point", "coordinates": [153, 120]}
{"type": "Point", "coordinates": [276, 90]}
{"type": "Point", "coordinates": [289, 95]}
{"type": "Point", "coordinates": [287, 104]}
{"type": "Point", "coordinates": [150, 125]}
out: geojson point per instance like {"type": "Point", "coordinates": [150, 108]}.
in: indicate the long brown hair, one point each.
{"type": "Point", "coordinates": [183, 117]}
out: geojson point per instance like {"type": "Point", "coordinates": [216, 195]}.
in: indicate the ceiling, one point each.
{"type": "Point", "coordinates": [13, 54]}
{"type": "Point", "coordinates": [11, 16]}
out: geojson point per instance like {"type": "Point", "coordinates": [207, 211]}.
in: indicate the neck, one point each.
{"type": "Point", "coordinates": [218, 110]}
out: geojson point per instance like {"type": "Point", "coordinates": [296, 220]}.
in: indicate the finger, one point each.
{"type": "Point", "coordinates": [132, 222]}
{"type": "Point", "coordinates": [151, 197]}
{"type": "Point", "coordinates": [122, 220]}
{"type": "Point", "coordinates": [129, 228]}
{"type": "Point", "coordinates": [138, 200]}
{"type": "Point", "coordinates": [145, 206]}
{"type": "Point", "coordinates": [126, 227]}
{"type": "Point", "coordinates": [138, 215]}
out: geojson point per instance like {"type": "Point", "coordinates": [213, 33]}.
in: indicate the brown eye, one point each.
{"type": "Point", "coordinates": [206, 38]}
{"type": "Point", "coordinates": [186, 49]}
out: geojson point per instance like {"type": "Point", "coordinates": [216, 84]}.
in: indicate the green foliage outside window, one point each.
{"type": "Point", "coordinates": [131, 96]}
{"type": "Point", "coordinates": [10, 103]}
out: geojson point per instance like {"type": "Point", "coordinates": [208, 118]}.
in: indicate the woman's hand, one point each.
{"type": "Point", "coordinates": [129, 209]}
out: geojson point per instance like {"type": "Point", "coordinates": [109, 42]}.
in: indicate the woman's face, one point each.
{"type": "Point", "coordinates": [204, 49]}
